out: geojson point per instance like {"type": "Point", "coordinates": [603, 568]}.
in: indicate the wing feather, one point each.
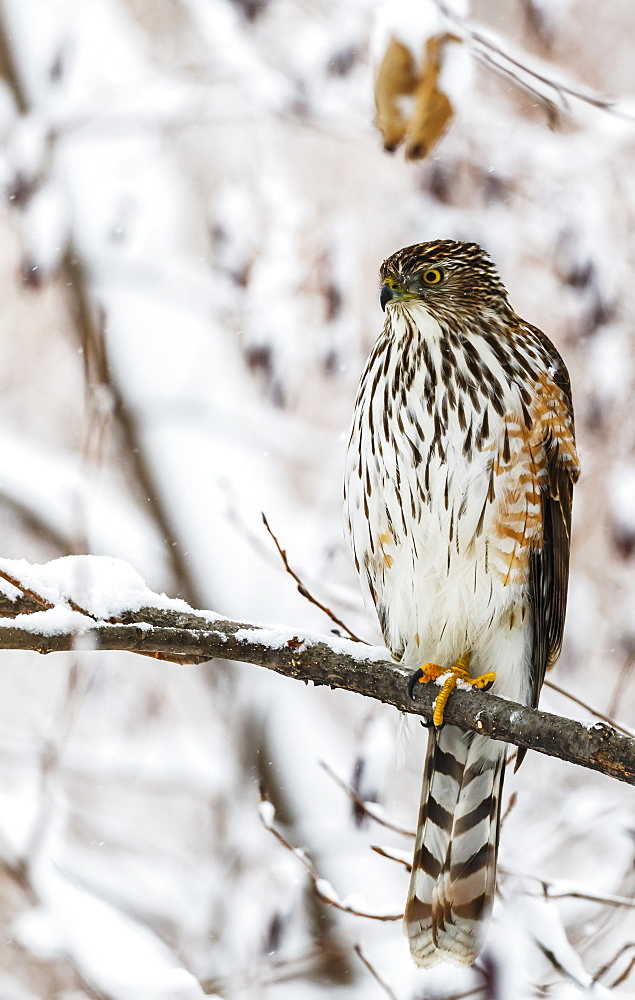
{"type": "Point", "coordinates": [549, 567]}
{"type": "Point", "coordinates": [549, 563]}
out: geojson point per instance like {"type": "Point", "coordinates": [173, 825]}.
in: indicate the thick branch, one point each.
{"type": "Point", "coordinates": [338, 663]}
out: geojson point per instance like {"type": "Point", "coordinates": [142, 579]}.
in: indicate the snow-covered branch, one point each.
{"type": "Point", "coordinates": [102, 603]}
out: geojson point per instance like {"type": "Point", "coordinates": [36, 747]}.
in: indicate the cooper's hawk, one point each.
{"type": "Point", "coordinates": [459, 478]}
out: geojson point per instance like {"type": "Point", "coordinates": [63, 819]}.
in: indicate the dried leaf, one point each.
{"type": "Point", "coordinates": [432, 110]}
{"type": "Point", "coordinates": [396, 79]}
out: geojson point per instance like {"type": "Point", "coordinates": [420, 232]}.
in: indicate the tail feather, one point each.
{"type": "Point", "coordinates": [454, 868]}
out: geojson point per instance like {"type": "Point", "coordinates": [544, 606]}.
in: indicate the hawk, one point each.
{"type": "Point", "coordinates": [459, 479]}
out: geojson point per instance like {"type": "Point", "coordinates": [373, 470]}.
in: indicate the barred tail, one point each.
{"type": "Point", "coordinates": [454, 869]}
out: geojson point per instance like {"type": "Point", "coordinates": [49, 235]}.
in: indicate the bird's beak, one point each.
{"type": "Point", "coordinates": [387, 293]}
{"type": "Point", "coordinates": [394, 289]}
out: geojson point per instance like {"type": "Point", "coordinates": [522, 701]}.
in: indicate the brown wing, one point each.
{"type": "Point", "coordinates": [549, 564]}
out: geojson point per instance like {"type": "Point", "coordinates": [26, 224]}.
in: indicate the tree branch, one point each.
{"type": "Point", "coordinates": [323, 660]}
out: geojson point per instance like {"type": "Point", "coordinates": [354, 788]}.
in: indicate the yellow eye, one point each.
{"type": "Point", "coordinates": [433, 277]}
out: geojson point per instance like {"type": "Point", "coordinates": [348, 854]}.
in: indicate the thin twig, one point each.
{"type": "Point", "coordinates": [622, 680]}
{"type": "Point", "coordinates": [624, 976]}
{"type": "Point", "coordinates": [366, 807]}
{"type": "Point", "coordinates": [551, 891]}
{"type": "Point", "coordinates": [549, 107]}
{"type": "Point", "coordinates": [464, 994]}
{"type": "Point", "coordinates": [324, 896]}
{"type": "Point", "coordinates": [490, 51]}
{"type": "Point", "coordinates": [269, 972]}
{"type": "Point", "coordinates": [42, 601]}
{"type": "Point", "coordinates": [383, 853]}
{"type": "Point", "coordinates": [39, 600]}
{"type": "Point", "coordinates": [513, 798]}
{"type": "Point", "coordinates": [563, 90]}
{"type": "Point", "coordinates": [357, 948]}
{"type": "Point", "coordinates": [559, 967]}
{"type": "Point", "coordinates": [303, 590]}
{"type": "Point", "coordinates": [602, 971]}
{"type": "Point", "coordinates": [549, 888]}
{"type": "Point", "coordinates": [589, 708]}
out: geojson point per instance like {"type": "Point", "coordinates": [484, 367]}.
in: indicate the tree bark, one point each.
{"type": "Point", "coordinates": [336, 662]}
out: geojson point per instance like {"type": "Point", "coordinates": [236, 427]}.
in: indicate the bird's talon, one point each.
{"type": "Point", "coordinates": [458, 672]}
{"type": "Point", "coordinates": [417, 676]}
{"type": "Point", "coordinates": [483, 683]}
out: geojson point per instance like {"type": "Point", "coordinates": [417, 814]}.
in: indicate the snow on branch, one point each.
{"type": "Point", "coordinates": [101, 603]}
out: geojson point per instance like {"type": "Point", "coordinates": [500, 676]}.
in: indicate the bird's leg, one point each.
{"type": "Point", "coordinates": [458, 672]}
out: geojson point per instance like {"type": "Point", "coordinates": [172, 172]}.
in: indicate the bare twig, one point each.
{"type": "Point", "coordinates": [37, 599]}
{"type": "Point", "coordinates": [498, 58]}
{"type": "Point", "coordinates": [513, 798]}
{"type": "Point", "coordinates": [464, 994]}
{"type": "Point", "coordinates": [268, 972]}
{"type": "Point", "coordinates": [602, 971]}
{"type": "Point", "coordinates": [303, 590]}
{"type": "Point", "coordinates": [553, 959]}
{"type": "Point", "coordinates": [624, 975]}
{"type": "Point", "coordinates": [384, 853]}
{"type": "Point", "coordinates": [589, 708]}
{"type": "Point", "coordinates": [42, 601]}
{"type": "Point", "coordinates": [319, 885]}
{"type": "Point", "coordinates": [550, 108]}
{"type": "Point", "coordinates": [622, 680]}
{"type": "Point", "coordinates": [551, 890]}
{"type": "Point", "coordinates": [368, 808]}
{"type": "Point", "coordinates": [373, 971]}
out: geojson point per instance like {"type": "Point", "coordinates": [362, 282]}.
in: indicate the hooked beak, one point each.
{"type": "Point", "coordinates": [387, 293]}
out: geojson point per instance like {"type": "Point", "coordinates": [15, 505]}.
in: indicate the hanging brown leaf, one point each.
{"type": "Point", "coordinates": [396, 79]}
{"type": "Point", "coordinates": [432, 110]}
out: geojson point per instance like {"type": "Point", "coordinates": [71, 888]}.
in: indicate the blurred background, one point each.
{"type": "Point", "coordinates": [195, 206]}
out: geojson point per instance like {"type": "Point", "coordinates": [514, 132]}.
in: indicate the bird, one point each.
{"type": "Point", "coordinates": [458, 489]}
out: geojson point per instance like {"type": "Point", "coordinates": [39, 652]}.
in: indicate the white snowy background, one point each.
{"type": "Point", "coordinates": [195, 207]}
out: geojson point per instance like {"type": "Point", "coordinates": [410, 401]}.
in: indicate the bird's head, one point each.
{"type": "Point", "coordinates": [449, 279]}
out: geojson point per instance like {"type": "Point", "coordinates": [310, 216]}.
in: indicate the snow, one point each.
{"type": "Point", "coordinates": [54, 621]}
{"type": "Point", "coordinates": [123, 955]}
{"type": "Point", "coordinates": [102, 586]}
{"type": "Point", "coordinates": [278, 638]}
{"type": "Point", "coordinates": [212, 170]}
{"type": "Point", "coordinates": [354, 902]}
{"type": "Point", "coordinates": [545, 928]}
{"type": "Point", "coordinates": [267, 813]}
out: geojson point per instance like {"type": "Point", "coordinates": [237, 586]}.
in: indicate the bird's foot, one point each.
{"type": "Point", "coordinates": [453, 675]}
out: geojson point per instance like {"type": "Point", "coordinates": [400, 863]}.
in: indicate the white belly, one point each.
{"type": "Point", "coordinates": [423, 534]}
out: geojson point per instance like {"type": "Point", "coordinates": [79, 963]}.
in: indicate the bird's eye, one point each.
{"type": "Point", "coordinates": [433, 276]}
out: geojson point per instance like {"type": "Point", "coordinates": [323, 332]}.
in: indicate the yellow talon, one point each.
{"type": "Point", "coordinates": [442, 700]}
{"type": "Point", "coordinates": [483, 681]}
{"type": "Point", "coordinates": [458, 672]}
